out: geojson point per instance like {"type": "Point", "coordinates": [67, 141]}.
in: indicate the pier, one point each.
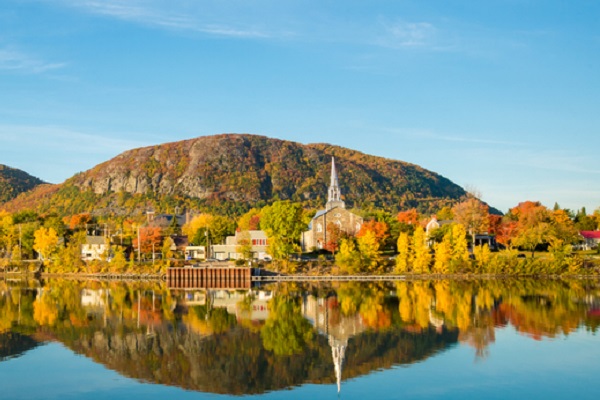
{"type": "Point", "coordinates": [209, 277]}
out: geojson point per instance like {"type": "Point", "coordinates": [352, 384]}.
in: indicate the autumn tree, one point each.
{"type": "Point", "coordinates": [78, 221]}
{"type": "Point", "coordinates": [420, 256]}
{"type": "Point", "coordinates": [250, 221]}
{"type": "Point", "coordinates": [403, 257]}
{"type": "Point", "coordinates": [244, 244]}
{"type": "Point", "coordinates": [334, 235]}
{"type": "Point", "coordinates": [379, 230]}
{"type": "Point", "coordinates": [473, 215]}
{"type": "Point", "coordinates": [348, 257]}
{"type": "Point", "coordinates": [150, 239]}
{"type": "Point", "coordinates": [197, 229]}
{"type": "Point", "coordinates": [368, 247]}
{"type": "Point", "coordinates": [533, 225]}
{"type": "Point", "coordinates": [46, 242]}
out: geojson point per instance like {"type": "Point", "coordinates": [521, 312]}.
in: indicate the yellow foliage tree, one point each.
{"type": "Point", "coordinates": [421, 257]}
{"type": "Point", "coordinates": [45, 242]}
{"type": "Point", "coordinates": [403, 256]}
{"type": "Point", "coordinates": [443, 255]}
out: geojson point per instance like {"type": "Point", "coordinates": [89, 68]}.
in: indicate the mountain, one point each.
{"type": "Point", "coordinates": [14, 181]}
{"type": "Point", "coordinates": [229, 173]}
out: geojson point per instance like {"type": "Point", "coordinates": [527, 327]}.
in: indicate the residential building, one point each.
{"type": "Point", "coordinates": [591, 239]}
{"type": "Point", "coordinates": [94, 248]}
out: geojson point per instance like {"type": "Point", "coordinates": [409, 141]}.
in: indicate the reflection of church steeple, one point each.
{"type": "Point", "coordinates": [334, 198]}
{"type": "Point", "coordinates": [325, 315]}
{"type": "Point", "coordinates": [338, 352]}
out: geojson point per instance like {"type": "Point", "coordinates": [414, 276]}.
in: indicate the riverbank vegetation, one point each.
{"type": "Point", "coordinates": [464, 239]}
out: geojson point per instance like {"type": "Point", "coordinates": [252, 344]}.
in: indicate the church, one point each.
{"type": "Point", "coordinates": [334, 215]}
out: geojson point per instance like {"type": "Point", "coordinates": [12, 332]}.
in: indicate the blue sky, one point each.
{"type": "Point", "coordinates": [500, 96]}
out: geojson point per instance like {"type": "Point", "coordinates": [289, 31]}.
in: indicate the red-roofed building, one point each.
{"type": "Point", "coordinates": [591, 239]}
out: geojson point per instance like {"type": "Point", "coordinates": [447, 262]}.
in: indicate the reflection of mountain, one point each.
{"type": "Point", "coordinates": [14, 345]}
{"type": "Point", "coordinates": [236, 363]}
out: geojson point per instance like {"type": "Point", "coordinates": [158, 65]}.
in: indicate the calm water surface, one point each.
{"type": "Point", "coordinates": [64, 339]}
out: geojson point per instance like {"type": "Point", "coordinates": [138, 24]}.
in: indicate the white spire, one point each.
{"type": "Point", "coordinates": [338, 352]}
{"type": "Point", "coordinates": [334, 198]}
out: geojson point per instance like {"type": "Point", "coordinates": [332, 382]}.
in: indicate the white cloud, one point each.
{"type": "Point", "coordinates": [164, 15]}
{"type": "Point", "coordinates": [51, 138]}
{"type": "Point", "coordinates": [401, 34]}
{"type": "Point", "coordinates": [425, 134]}
{"type": "Point", "coordinates": [14, 60]}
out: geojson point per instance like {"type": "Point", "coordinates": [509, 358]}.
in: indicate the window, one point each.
{"type": "Point", "coordinates": [319, 228]}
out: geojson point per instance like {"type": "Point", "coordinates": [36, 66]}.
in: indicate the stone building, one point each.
{"type": "Point", "coordinates": [333, 216]}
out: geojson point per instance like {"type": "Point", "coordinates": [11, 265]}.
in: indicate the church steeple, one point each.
{"type": "Point", "coordinates": [334, 198]}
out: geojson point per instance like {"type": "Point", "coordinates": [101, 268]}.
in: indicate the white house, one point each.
{"type": "Point", "coordinates": [229, 250]}
{"type": "Point", "coordinates": [94, 248]}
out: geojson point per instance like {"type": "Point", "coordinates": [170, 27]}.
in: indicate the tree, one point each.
{"type": "Point", "coordinates": [244, 244]}
{"type": "Point", "coordinates": [249, 221]}
{"type": "Point", "coordinates": [368, 246]}
{"type": "Point", "coordinates": [348, 257]}
{"type": "Point", "coordinates": [46, 242]}
{"type": "Point", "coordinates": [473, 214]}
{"type": "Point", "coordinates": [379, 230]}
{"type": "Point", "coordinates": [286, 332]}
{"type": "Point", "coordinates": [421, 257]}
{"type": "Point", "coordinates": [402, 259]}
{"type": "Point", "coordinates": [195, 229]}
{"type": "Point", "coordinates": [460, 247]}
{"type": "Point", "coordinates": [445, 214]}
{"type": "Point", "coordinates": [78, 221]}
{"type": "Point", "coordinates": [150, 239]}
{"type": "Point", "coordinates": [443, 255]}
{"type": "Point", "coordinates": [283, 223]}
{"type": "Point", "coordinates": [410, 217]}
{"type": "Point", "coordinates": [334, 235]}
{"type": "Point", "coordinates": [533, 225]}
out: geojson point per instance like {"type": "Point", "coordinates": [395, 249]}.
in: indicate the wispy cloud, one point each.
{"type": "Point", "coordinates": [50, 138]}
{"type": "Point", "coordinates": [18, 61]}
{"type": "Point", "coordinates": [402, 34]}
{"type": "Point", "coordinates": [165, 16]}
{"type": "Point", "coordinates": [426, 134]}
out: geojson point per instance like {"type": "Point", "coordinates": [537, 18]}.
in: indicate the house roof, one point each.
{"type": "Point", "coordinates": [97, 240]}
{"type": "Point", "coordinates": [590, 234]}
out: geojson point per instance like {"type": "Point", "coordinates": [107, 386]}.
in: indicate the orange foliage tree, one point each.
{"type": "Point", "coordinates": [150, 239]}
{"type": "Point", "coordinates": [410, 217]}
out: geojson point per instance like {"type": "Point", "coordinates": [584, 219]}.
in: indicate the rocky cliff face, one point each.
{"type": "Point", "coordinates": [14, 181]}
{"type": "Point", "coordinates": [248, 169]}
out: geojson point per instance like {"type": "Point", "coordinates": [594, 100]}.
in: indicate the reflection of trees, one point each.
{"type": "Point", "coordinates": [147, 333]}
{"type": "Point", "coordinates": [14, 344]}
{"type": "Point", "coordinates": [286, 331]}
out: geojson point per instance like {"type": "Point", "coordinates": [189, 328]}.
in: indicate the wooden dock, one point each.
{"type": "Point", "coordinates": [209, 277]}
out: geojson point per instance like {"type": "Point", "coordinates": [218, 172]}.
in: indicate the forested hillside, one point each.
{"type": "Point", "coordinates": [14, 181]}
{"type": "Point", "coordinates": [229, 173]}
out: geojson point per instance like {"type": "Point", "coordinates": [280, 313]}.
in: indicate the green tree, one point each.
{"type": "Point", "coordinates": [284, 223]}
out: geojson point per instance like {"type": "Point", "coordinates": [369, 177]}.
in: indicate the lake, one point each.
{"type": "Point", "coordinates": [493, 339]}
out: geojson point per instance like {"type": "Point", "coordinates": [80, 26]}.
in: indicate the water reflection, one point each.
{"type": "Point", "coordinates": [274, 337]}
